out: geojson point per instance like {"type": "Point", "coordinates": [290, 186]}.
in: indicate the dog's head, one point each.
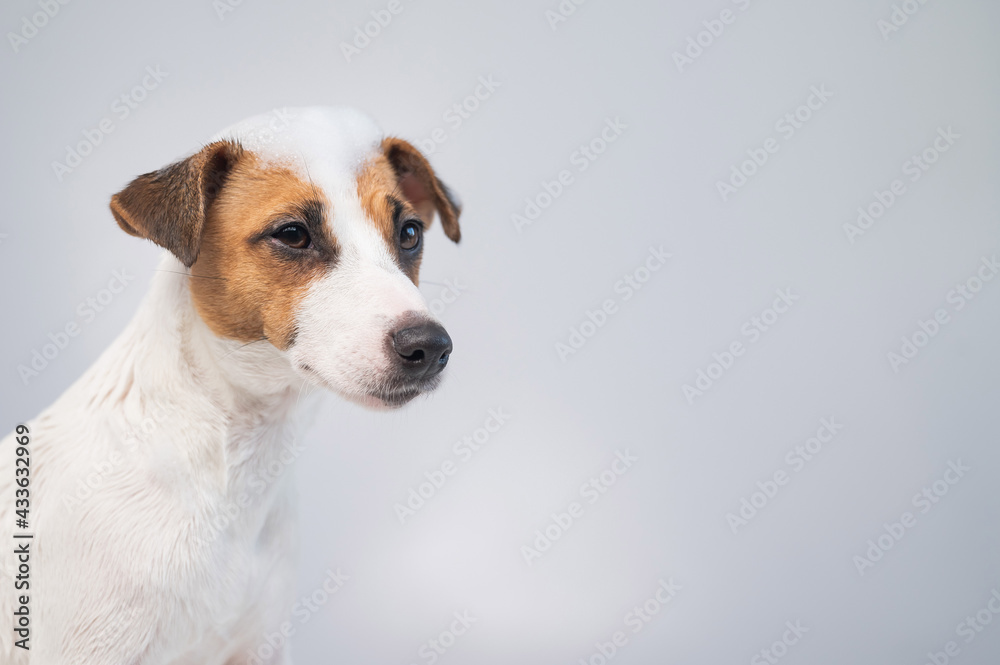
{"type": "Point", "coordinates": [305, 228]}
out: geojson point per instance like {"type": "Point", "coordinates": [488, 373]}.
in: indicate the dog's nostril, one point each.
{"type": "Point", "coordinates": [423, 348]}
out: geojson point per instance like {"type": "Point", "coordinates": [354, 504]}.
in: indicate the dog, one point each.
{"type": "Point", "coordinates": [293, 253]}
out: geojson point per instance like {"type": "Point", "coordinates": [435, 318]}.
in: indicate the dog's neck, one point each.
{"type": "Point", "coordinates": [234, 404]}
{"type": "Point", "coordinates": [235, 375]}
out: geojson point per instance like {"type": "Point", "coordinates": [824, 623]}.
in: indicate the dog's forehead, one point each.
{"type": "Point", "coordinates": [327, 147]}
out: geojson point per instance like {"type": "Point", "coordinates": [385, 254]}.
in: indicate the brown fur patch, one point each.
{"type": "Point", "coordinates": [385, 206]}
{"type": "Point", "coordinates": [168, 206]}
{"type": "Point", "coordinates": [419, 185]}
{"type": "Point", "coordinates": [245, 285]}
{"type": "Point", "coordinates": [376, 187]}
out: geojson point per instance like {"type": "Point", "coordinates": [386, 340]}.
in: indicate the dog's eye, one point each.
{"type": "Point", "coordinates": [293, 235]}
{"type": "Point", "coordinates": [409, 236]}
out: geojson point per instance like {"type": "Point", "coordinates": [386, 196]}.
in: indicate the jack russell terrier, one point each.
{"type": "Point", "coordinates": [293, 259]}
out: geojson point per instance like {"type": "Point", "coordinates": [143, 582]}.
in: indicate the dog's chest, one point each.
{"type": "Point", "coordinates": [248, 573]}
{"type": "Point", "coordinates": [248, 531]}
{"type": "Point", "coordinates": [243, 579]}
{"type": "Point", "coordinates": [225, 533]}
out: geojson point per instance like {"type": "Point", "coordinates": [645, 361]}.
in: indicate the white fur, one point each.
{"type": "Point", "coordinates": [154, 566]}
{"type": "Point", "coordinates": [138, 572]}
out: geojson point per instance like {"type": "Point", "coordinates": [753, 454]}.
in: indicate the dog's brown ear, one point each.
{"type": "Point", "coordinates": [169, 206]}
{"type": "Point", "coordinates": [421, 187]}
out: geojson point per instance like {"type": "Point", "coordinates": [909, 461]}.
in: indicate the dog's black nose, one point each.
{"type": "Point", "coordinates": [423, 349]}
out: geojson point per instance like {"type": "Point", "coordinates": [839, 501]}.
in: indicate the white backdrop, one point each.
{"type": "Point", "coordinates": [824, 490]}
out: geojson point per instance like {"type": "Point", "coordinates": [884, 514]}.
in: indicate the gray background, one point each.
{"type": "Point", "coordinates": [522, 292]}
